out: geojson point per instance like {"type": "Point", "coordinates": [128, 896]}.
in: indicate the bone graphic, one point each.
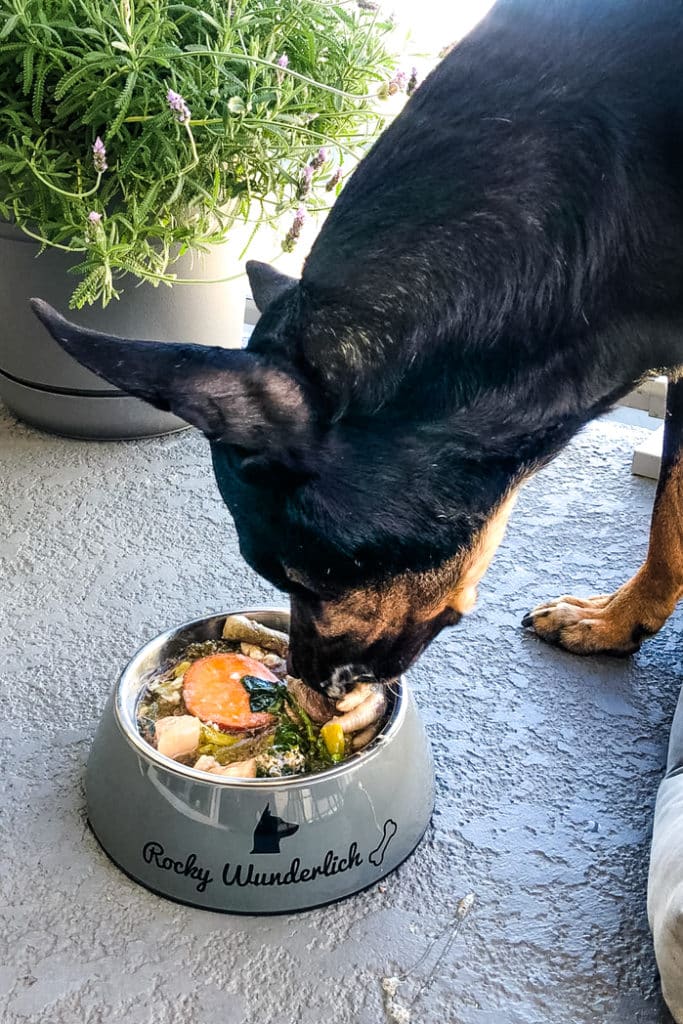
{"type": "Point", "coordinates": [390, 829]}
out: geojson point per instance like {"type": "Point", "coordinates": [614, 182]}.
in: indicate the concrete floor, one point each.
{"type": "Point", "coordinates": [547, 766]}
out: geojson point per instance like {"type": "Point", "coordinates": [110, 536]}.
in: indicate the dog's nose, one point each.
{"type": "Point", "coordinates": [339, 682]}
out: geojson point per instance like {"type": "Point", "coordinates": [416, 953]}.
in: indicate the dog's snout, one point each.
{"type": "Point", "coordinates": [343, 678]}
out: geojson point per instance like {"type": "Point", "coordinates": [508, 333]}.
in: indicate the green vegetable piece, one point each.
{"type": "Point", "coordinates": [217, 738]}
{"type": "Point", "coordinates": [288, 736]}
{"type": "Point", "coordinates": [263, 695]}
{"type": "Point", "coordinates": [305, 718]}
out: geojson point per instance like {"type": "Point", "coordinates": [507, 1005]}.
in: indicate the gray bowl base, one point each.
{"type": "Point", "coordinates": [253, 913]}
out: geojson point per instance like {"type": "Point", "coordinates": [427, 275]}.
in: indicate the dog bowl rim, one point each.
{"type": "Point", "coordinates": [124, 715]}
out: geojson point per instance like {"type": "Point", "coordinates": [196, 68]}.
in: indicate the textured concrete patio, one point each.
{"type": "Point", "coordinates": [547, 766]}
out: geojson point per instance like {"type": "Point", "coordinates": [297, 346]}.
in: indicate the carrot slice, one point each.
{"type": "Point", "coordinates": [213, 691]}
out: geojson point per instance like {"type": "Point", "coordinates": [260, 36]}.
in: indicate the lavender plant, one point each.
{"type": "Point", "coordinates": [132, 132]}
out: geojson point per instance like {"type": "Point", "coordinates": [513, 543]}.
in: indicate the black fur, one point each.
{"type": "Point", "coordinates": [505, 263]}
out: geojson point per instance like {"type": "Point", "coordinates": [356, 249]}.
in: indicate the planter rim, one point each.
{"type": "Point", "coordinates": [55, 389]}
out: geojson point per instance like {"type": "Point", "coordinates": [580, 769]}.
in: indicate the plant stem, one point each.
{"type": "Point", "coordinates": [61, 191]}
{"type": "Point", "coordinates": [248, 59]}
{"type": "Point", "coordinates": [170, 279]}
{"type": "Point", "coordinates": [46, 241]}
{"type": "Point", "coordinates": [195, 158]}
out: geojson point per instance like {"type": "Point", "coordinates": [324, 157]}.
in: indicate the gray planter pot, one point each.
{"type": "Point", "coordinates": [46, 388]}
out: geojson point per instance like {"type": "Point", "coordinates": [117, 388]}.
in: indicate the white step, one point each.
{"type": "Point", "coordinates": [647, 457]}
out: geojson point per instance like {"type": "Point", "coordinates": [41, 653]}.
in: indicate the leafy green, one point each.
{"type": "Point", "coordinates": [288, 736]}
{"type": "Point", "coordinates": [301, 734]}
{"type": "Point", "coordinates": [75, 70]}
{"type": "Point", "coordinates": [263, 694]}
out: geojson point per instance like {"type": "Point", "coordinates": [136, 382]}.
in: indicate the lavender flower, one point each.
{"type": "Point", "coordinates": [282, 62]}
{"type": "Point", "coordinates": [367, 5]}
{"type": "Point", "coordinates": [412, 83]}
{"type": "Point", "coordinates": [93, 227]}
{"type": "Point", "coordinates": [292, 235]}
{"type": "Point", "coordinates": [305, 181]}
{"type": "Point", "coordinates": [99, 156]}
{"type": "Point", "coordinates": [319, 159]}
{"type": "Point", "coordinates": [397, 83]}
{"type": "Point", "coordinates": [178, 106]}
{"type": "Point", "coordinates": [334, 180]}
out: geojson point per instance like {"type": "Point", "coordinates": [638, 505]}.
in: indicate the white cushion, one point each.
{"type": "Point", "coordinates": [665, 890]}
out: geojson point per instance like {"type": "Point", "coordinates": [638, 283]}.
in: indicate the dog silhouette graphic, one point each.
{"type": "Point", "coordinates": [270, 830]}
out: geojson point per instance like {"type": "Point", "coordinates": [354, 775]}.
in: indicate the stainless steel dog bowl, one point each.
{"type": "Point", "coordinates": [264, 846]}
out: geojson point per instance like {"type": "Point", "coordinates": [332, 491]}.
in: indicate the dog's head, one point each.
{"type": "Point", "coordinates": [377, 528]}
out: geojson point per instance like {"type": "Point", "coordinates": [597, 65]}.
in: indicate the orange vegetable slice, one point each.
{"type": "Point", "coordinates": [213, 691]}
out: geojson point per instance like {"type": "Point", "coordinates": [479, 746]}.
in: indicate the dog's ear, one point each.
{"type": "Point", "coordinates": [267, 284]}
{"type": "Point", "coordinates": [233, 396]}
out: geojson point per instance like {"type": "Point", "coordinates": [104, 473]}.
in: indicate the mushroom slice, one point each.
{"type": "Point", "coordinates": [276, 664]}
{"type": "Point", "coordinates": [252, 651]}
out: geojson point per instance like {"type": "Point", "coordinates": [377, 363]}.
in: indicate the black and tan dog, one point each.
{"type": "Point", "coordinates": [504, 264]}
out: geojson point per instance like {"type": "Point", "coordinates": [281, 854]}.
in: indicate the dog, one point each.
{"type": "Point", "coordinates": [504, 264]}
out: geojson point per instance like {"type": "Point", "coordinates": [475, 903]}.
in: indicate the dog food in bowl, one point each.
{"type": "Point", "coordinates": [227, 707]}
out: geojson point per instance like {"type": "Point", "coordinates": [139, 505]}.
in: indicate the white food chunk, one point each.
{"type": "Point", "coordinates": [177, 735]}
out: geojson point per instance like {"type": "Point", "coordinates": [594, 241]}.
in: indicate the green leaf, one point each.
{"type": "Point", "coordinates": [288, 736]}
{"type": "Point", "coordinates": [197, 12]}
{"type": "Point", "coordinates": [88, 290]}
{"type": "Point", "coordinates": [263, 694]}
{"type": "Point", "coordinates": [67, 80]}
{"type": "Point", "coordinates": [123, 103]}
{"type": "Point", "coordinates": [9, 26]}
{"type": "Point", "coordinates": [29, 57]}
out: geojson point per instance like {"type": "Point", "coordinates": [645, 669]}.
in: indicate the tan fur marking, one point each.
{"type": "Point", "coordinates": [477, 560]}
{"type": "Point", "coordinates": [418, 597]}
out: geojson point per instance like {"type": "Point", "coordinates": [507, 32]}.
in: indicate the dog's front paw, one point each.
{"type": "Point", "coordinates": [607, 624]}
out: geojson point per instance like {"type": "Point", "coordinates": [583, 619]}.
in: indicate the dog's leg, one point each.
{"type": "Point", "coordinates": [618, 623]}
